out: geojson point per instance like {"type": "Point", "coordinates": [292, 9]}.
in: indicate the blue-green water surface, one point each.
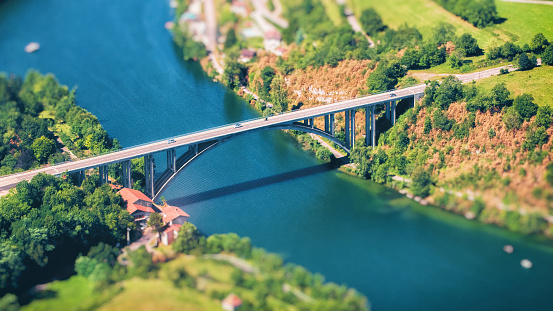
{"type": "Point", "coordinates": [401, 255]}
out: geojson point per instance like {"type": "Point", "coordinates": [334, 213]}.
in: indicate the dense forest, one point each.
{"type": "Point", "coordinates": [46, 222]}
{"type": "Point", "coordinates": [37, 111]}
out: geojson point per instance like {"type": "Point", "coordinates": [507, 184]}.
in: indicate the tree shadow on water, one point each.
{"type": "Point", "coordinates": [257, 183]}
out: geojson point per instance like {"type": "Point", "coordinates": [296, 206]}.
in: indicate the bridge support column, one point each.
{"type": "Point", "coordinates": [331, 126]}
{"type": "Point", "coordinates": [393, 113]}
{"type": "Point", "coordinates": [79, 177]}
{"type": "Point", "coordinates": [387, 108]}
{"type": "Point", "coordinates": [311, 122]}
{"type": "Point", "coordinates": [346, 127]}
{"type": "Point", "coordinates": [127, 167]}
{"type": "Point", "coordinates": [368, 128]}
{"type": "Point", "coordinates": [416, 99]}
{"type": "Point", "coordinates": [327, 123]}
{"type": "Point", "coordinates": [103, 174]}
{"type": "Point", "coordinates": [352, 131]}
{"type": "Point", "coordinates": [149, 175]}
{"type": "Point", "coordinates": [172, 160]}
{"type": "Point", "coordinates": [193, 148]}
{"type": "Point", "coordinates": [373, 127]}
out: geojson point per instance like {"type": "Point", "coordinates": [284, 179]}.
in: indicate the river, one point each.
{"type": "Point", "coordinates": [401, 255]}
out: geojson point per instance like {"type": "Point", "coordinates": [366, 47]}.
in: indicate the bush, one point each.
{"type": "Point", "coordinates": [525, 106]}
{"type": "Point", "coordinates": [535, 136]}
{"type": "Point", "coordinates": [511, 118]}
{"type": "Point", "coordinates": [468, 45]}
{"type": "Point", "coordinates": [440, 121]}
{"type": "Point", "coordinates": [549, 174]}
{"type": "Point", "coordinates": [547, 57]}
{"type": "Point", "coordinates": [543, 118]}
{"type": "Point", "coordinates": [371, 21]}
{"type": "Point", "coordinates": [420, 182]}
{"type": "Point", "coordinates": [525, 62]}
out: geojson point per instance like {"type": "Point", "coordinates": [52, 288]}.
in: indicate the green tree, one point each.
{"type": "Point", "coordinates": [371, 21]}
{"type": "Point", "coordinates": [420, 182]}
{"type": "Point", "coordinates": [539, 43]}
{"type": "Point", "coordinates": [543, 118]}
{"type": "Point", "coordinates": [547, 57]}
{"type": "Point", "coordinates": [279, 93]}
{"type": "Point", "coordinates": [156, 223]}
{"type": "Point", "coordinates": [549, 174]}
{"type": "Point", "coordinates": [231, 39]}
{"type": "Point", "coordinates": [187, 239]}
{"type": "Point", "coordinates": [267, 75]}
{"type": "Point", "coordinates": [43, 148]}
{"type": "Point", "coordinates": [9, 303]}
{"type": "Point", "coordinates": [525, 106]}
{"type": "Point", "coordinates": [511, 118]}
{"type": "Point", "coordinates": [467, 44]}
{"type": "Point", "coordinates": [525, 62]}
{"type": "Point", "coordinates": [500, 95]}
{"type": "Point", "coordinates": [235, 72]}
{"type": "Point", "coordinates": [443, 33]}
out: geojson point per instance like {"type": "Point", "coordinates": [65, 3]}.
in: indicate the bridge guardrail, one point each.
{"type": "Point", "coordinates": [181, 135]}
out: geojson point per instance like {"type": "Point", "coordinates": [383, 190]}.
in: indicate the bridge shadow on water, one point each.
{"type": "Point", "coordinates": [257, 183]}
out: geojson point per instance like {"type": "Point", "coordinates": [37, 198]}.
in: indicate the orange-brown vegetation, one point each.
{"type": "Point", "coordinates": [502, 153]}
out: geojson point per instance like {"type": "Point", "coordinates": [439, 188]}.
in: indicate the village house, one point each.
{"type": "Point", "coordinates": [173, 215]}
{"type": "Point", "coordinates": [246, 55]}
{"type": "Point", "coordinates": [170, 234]}
{"type": "Point", "coordinates": [239, 7]}
{"type": "Point", "coordinates": [138, 205]}
{"type": "Point", "coordinates": [271, 40]}
{"type": "Point", "coordinates": [231, 303]}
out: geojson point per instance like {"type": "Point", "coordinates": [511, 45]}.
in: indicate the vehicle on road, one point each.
{"type": "Point", "coordinates": [237, 125]}
{"type": "Point", "coordinates": [266, 118]}
{"type": "Point", "coordinates": [170, 141]}
{"type": "Point", "coordinates": [392, 94]}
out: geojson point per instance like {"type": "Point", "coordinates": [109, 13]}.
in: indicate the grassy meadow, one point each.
{"type": "Point", "coordinates": [522, 22]}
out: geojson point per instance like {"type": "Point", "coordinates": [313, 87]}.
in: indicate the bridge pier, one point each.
{"type": "Point", "coordinates": [373, 127]}
{"type": "Point", "coordinates": [103, 174]}
{"type": "Point", "coordinates": [127, 168]}
{"type": "Point", "coordinates": [352, 131]}
{"type": "Point", "coordinates": [172, 160]}
{"type": "Point", "coordinates": [368, 128]}
{"type": "Point", "coordinates": [393, 112]}
{"type": "Point", "coordinates": [79, 177]}
{"type": "Point", "coordinates": [346, 121]}
{"type": "Point", "coordinates": [331, 121]}
{"type": "Point", "coordinates": [149, 174]}
{"type": "Point", "coordinates": [327, 123]}
{"type": "Point", "coordinates": [416, 99]}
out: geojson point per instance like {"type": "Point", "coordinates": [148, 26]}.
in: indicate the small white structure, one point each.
{"type": "Point", "coordinates": [508, 249]}
{"type": "Point", "coordinates": [173, 215]}
{"type": "Point", "coordinates": [526, 263]}
{"type": "Point", "coordinates": [31, 47]}
{"type": "Point", "coordinates": [170, 234]}
{"type": "Point", "coordinates": [246, 55]}
{"type": "Point", "coordinates": [231, 303]}
{"type": "Point", "coordinates": [271, 40]}
{"type": "Point", "coordinates": [239, 7]}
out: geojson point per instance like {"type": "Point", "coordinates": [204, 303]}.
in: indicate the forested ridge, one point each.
{"type": "Point", "coordinates": [33, 113]}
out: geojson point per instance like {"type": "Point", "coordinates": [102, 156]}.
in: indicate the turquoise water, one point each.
{"type": "Point", "coordinates": [401, 255]}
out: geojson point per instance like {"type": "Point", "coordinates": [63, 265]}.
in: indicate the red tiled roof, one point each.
{"type": "Point", "coordinates": [232, 300]}
{"type": "Point", "coordinates": [272, 34]}
{"type": "Point", "coordinates": [174, 227]}
{"type": "Point", "coordinates": [131, 196]}
{"type": "Point", "coordinates": [172, 212]}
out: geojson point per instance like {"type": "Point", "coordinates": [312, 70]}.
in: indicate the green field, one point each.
{"type": "Point", "coordinates": [333, 11]}
{"type": "Point", "coordinates": [523, 21]}
{"type": "Point", "coordinates": [538, 82]}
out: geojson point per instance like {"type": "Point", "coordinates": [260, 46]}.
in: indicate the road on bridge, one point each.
{"type": "Point", "coordinates": [222, 132]}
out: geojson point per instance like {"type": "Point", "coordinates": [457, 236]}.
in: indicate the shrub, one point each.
{"type": "Point", "coordinates": [511, 118]}
{"type": "Point", "coordinates": [491, 132]}
{"type": "Point", "coordinates": [525, 62]}
{"type": "Point", "coordinates": [544, 115]}
{"type": "Point", "coordinates": [420, 182]}
{"type": "Point", "coordinates": [525, 106]}
{"type": "Point", "coordinates": [547, 57]}
{"type": "Point", "coordinates": [440, 121]}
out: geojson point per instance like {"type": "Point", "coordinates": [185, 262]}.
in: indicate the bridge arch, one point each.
{"type": "Point", "coordinates": [188, 157]}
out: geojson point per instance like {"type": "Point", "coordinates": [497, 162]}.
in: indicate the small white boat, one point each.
{"type": "Point", "coordinates": [526, 263]}
{"type": "Point", "coordinates": [31, 47]}
{"type": "Point", "coordinates": [173, 4]}
{"type": "Point", "coordinates": [169, 25]}
{"type": "Point", "coordinates": [508, 249]}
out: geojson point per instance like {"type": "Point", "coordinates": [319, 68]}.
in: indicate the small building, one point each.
{"type": "Point", "coordinates": [231, 303]}
{"type": "Point", "coordinates": [271, 40]}
{"type": "Point", "coordinates": [246, 55]}
{"type": "Point", "coordinates": [138, 205]}
{"type": "Point", "coordinates": [170, 234]}
{"type": "Point", "coordinates": [239, 7]}
{"type": "Point", "coordinates": [280, 50]}
{"type": "Point", "coordinates": [173, 215]}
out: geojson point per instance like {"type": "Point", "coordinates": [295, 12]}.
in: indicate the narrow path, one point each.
{"type": "Point", "coordinates": [531, 1]}
{"type": "Point", "coordinates": [335, 152]}
{"type": "Point", "coordinates": [352, 20]}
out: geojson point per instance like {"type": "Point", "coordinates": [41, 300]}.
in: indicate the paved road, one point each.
{"type": "Point", "coordinates": [261, 7]}
{"type": "Point", "coordinates": [222, 132]}
{"type": "Point", "coordinates": [211, 25]}
{"type": "Point", "coordinates": [531, 1]}
{"type": "Point", "coordinates": [354, 23]}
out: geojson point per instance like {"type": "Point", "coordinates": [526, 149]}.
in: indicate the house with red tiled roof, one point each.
{"type": "Point", "coordinates": [174, 215]}
{"type": "Point", "coordinates": [170, 234]}
{"type": "Point", "coordinates": [138, 204]}
{"type": "Point", "coordinates": [231, 303]}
